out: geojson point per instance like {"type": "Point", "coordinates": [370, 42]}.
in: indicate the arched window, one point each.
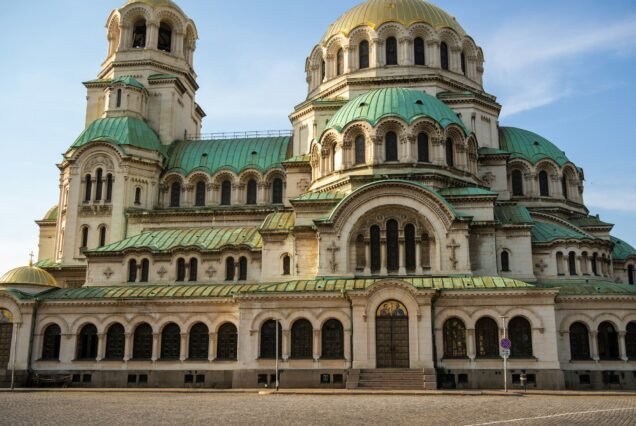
{"type": "Point", "coordinates": [137, 196]}
{"type": "Point", "coordinates": [520, 334]}
{"type": "Point", "coordinates": [630, 274]}
{"type": "Point", "coordinates": [109, 188]}
{"type": "Point", "coordinates": [409, 247]}
{"type": "Point", "coordinates": [332, 340]}
{"type": "Point", "coordinates": [115, 342]}
{"type": "Point", "coordinates": [268, 340]}
{"type": "Point", "coordinates": [360, 150]}
{"type": "Point", "coordinates": [419, 51]}
{"type": "Point", "coordinates": [200, 194]}
{"type": "Point", "coordinates": [505, 261]}
{"type": "Point", "coordinates": [243, 269]}
{"type": "Point", "coordinates": [132, 271]}
{"type": "Point", "coordinates": [579, 342]}
{"type": "Point", "coordinates": [487, 338]}
{"type": "Point", "coordinates": [391, 51]}
{"type": "Point", "coordinates": [392, 246]}
{"type": "Point", "coordinates": [88, 189]}
{"type": "Point", "coordinates": [463, 60]}
{"type": "Point", "coordinates": [361, 255]}
{"type": "Point", "coordinates": [139, 34]}
{"type": "Point", "coordinates": [422, 148]}
{"type": "Point", "coordinates": [228, 342]}
{"type": "Point", "coordinates": [145, 270]}
{"type": "Point", "coordinates": [332, 158]}
{"type": "Point", "coordinates": [199, 342]}
{"type": "Point", "coordinates": [517, 183]}
{"type": "Point", "coordinates": [175, 194]}
{"type": "Point", "coordinates": [194, 270]}
{"type": "Point", "coordinates": [302, 336]}
{"type": "Point", "coordinates": [323, 70]}
{"type": "Point", "coordinates": [230, 269]}
{"type": "Point", "coordinates": [102, 235]}
{"type": "Point", "coordinates": [226, 193]}
{"type": "Point", "coordinates": [426, 251]}
{"type": "Point", "coordinates": [165, 37]}
{"type": "Point", "coordinates": [51, 343]}
{"type": "Point", "coordinates": [544, 184]}
{"type": "Point", "coordinates": [443, 53]}
{"type": "Point", "coordinates": [87, 343]}
{"type": "Point", "coordinates": [572, 263]}
{"type": "Point", "coordinates": [376, 257]}
{"type": "Point", "coordinates": [171, 342]}
{"type": "Point", "coordinates": [363, 52]}
{"type": "Point", "coordinates": [118, 101]}
{"type": "Point", "coordinates": [277, 191]}
{"type": "Point", "coordinates": [450, 154]}
{"type": "Point", "coordinates": [99, 182]}
{"type": "Point", "coordinates": [595, 263]}
{"type": "Point", "coordinates": [559, 264]}
{"type": "Point", "coordinates": [630, 340]}
{"type": "Point", "coordinates": [454, 339]}
{"type": "Point", "coordinates": [564, 187]}
{"type": "Point", "coordinates": [286, 265]}
{"type": "Point", "coordinates": [391, 147]}
{"type": "Point", "coordinates": [142, 342]}
{"type": "Point", "coordinates": [607, 341]}
{"type": "Point", "coordinates": [340, 62]}
{"type": "Point", "coordinates": [84, 244]}
{"type": "Point", "coordinates": [181, 270]}
{"type": "Point", "coordinates": [251, 192]}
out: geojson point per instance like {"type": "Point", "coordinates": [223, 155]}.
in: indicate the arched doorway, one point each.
{"type": "Point", "coordinates": [6, 334]}
{"type": "Point", "coordinates": [392, 335]}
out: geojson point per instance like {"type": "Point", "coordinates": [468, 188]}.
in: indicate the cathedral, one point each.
{"type": "Point", "coordinates": [397, 236]}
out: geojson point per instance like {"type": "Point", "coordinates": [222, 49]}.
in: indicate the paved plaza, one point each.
{"type": "Point", "coordinates": [105, 408]}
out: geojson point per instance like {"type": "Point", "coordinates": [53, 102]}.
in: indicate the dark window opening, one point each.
{"type": "Point", "coordinates": [226, 193]}
{"type": "Point", "coordinates": [175, 194]}
{"type": "Point", "coordinates": [115, 342]}
{"type": "Point", "coordinates": [364, 54]}
{"type": "Point", "coordinates": [630, 275]}
{"type": "Point", "coordinates": [109, 188]}
{"type": "Point", "coordinates": [564, 187]}
{"type": "Point", "coordinates": [572, 263]}
{"type": "Point", "coordinates": [544, 184]}
{"type": "Point", "coordinates": [165, 38]}
{"type": "Point", "coordinates": [181, 270]}
{"type": "Point", "coordinates": [142, 343]}
{"type": "Point", "coordinates": [138, 196]}
{"type": "Point", "coordinates": [139, 35]}
{"type": "Point", "coordinates": [607, 342]}
{"type": "Point", "coordinates": [409, 247]}
{"type": "Point", "coordinates": [376, 259]}
{"type": "Point", "coordinates": [171, 342]}
{"type": "Point", "coordinates": [132, 271]}
{"type": "Point", "coordinates": [505, 261]}
{"type": "Point", "coordinates": [340, 62]}
{"type": "Point", "coordinates": [228, 342]}
{"type": "Point", "coordinates": [200, 194]}
{"type": "Point", "coordinates": [286, 265]}
{"type": "Point", "coordinates": [88, 189]}
{"type": "Point", "coordinates": [251, 192]}
{"type": "Point", "coordinates": [487, 338]}
{"type": "Point", "coordinates": [51, 343]}
{"type": "Point", "coordinates": [454, 339]}
{"type": "Point", "coordinates": [243, 269]}
{"type": "Point", "coordinates": [419, 51]}
{"type": "Point", "coordinates": [145, 270]}
{"type": "Point", "coordinates": [102, 236]}
{"type": "Point", "coordinates": [194, 267]}
{"type": "Point", "coordinates": [302, 340]}
{"type": "Point", "coordinates": [630, 341]}
{"type": "Point", "coordinates": [84, 238]}
{"type": "Point", "coordinates": [422, 148]}
{"type": "Point", "coordinates": [585, 379]}
{"type": "Point", "coordinates": [199, 344]}
{"type": "Point", "coordinates": [323, 70]}
{"type": "Point", "coordinates": [391, 51]}
{"type": "Point", "coordinates": [118, 98]}
{"type": "Point", "coordinates": [87, 343]}
{"type": "Point", "coordinates": [392, 246]}
{"type": "Point", "coordinates": [517, 183]}
{"type": "Point", "coordinates": [268, 339]}
{"type": "Point", "coordinates": [520, 334]}
{"type": "Point", "coordinates": [230, 269]}
{"type": "Point", "coordinates": [391, 147]}
{"type": "Point", "coordinates": [332, 340]}
{"type": "Point", "coordinates": [463, 60]}
{"type": "Point", "coordinates": [99, 185]}
{"type": "Point", "coordinates": [360, 150]}
{"type": "Point", "coordinates": [579, 342]}
{"type": "Point", "coordinates": [450, 154]}
{"type": "Point", "coordinates": [277, 191]}
{"type": "Point", "coordinates": [443, 51]}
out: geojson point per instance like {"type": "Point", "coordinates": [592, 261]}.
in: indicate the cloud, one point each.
{"type": "Point", "coordinates": [535, 63]}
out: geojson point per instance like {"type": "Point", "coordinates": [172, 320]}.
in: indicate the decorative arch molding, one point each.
{"type": "Point", "coordinates": [518, 164]}
{"type": "Point", "coordinates": [167, 15]}
{"type": "Point", "coordinates": [491, 313]}
{"type": "Point", "coordinates": [422, 30]}
{"type": "Point", "coordinates": [103, 146]}
{"type": "Point", "coordinates": [273, 174]}
{"type": "Point", "coordinates": [450, 37]}
{"type": "Point", "coordinates": [98, 159]}
{"type": "Point", "coordinates": [390, 289]}
{"type": "Point", "coordinates": [353, 207]}
{"type": "Point", "coordinates": [198, 176]}
{"type": "Point", "coordinates": [43, 324]}
{"type": "Point", "coordinates": [548, 165]}
{"type": "Point", "coordinates": [391, 124]}
{"type": "Point", "coordinates": [219, 320]}
{"type": "Point", "coordinates": [361, 34]}
{"type": "Point", "coordinates": [338, 315]}
{"type": "Point", "coordinates": [224, 175]}
{"type": "Point", "coordinates": [392, 29]}
{"type": "Point", "coordinates": [136, 11]}
{"type": "Point", "coordinates": [306, 315]}
{"type": "Point", "coordinates": [611, 318]}
{"type": "Point", "coordinates": [570, 319]}
{"type": "Point", "coordinates": [535, 320]}
{"type": "Point", "coordinates": [173, 177]}
{"type": "Point", "coordinates": [263, 317]}
{"type": "Point", "coordinates": [336, 43]}
{"type": "Point", "coordinates": [77, 325]}
{"type": "Point", "coordinates": [7, 303]}
{"type": "Point", "coordinates": [136, 321]}
{"type": "Point", "coordinates": [470, 47]}
{"type": "Point", "coordinates": [249, 174]}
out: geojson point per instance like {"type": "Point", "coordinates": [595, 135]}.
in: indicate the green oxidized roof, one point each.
{"type": "Point", "coordinates": [588, 287]}
{"type": "Point", "coordinates": [308, 286]}
{"type": "Point", "coordinates": [529, 146]}
{"type": "Point", "coordinates": [204, 239]}
{"type": "Point", "coordinates": [492, 151]}
{"type": "Point", "coordinates": [128, 81]}
{"type": "Point", "coordinates": [407, 104]}
{"type": "Point", "coordinates": [233, 154]}
{"type": "Point", "coordinates": [513, 215]}
{"type": "Point", "coordinates": [279, 221]}
{"type": "Point", "coordinates": [547, 232]}
{"type": "Point", "coordinates": [162, 77]}
{"type": "Point", "coordinates": [321, 196]}
{"type": "Point", "coordinates": [121, 131]}
{"type": "Point", "coordinates": [466, 192]}
{"type": "Point", "coordinates": [622, 250]}
{"type": "Point", "coordinates": [51, 215]}
{"type": "Point", "coordinates": [588, 221]}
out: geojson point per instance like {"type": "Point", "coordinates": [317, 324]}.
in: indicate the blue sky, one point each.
{"type": "Point", "coordinates": [562, 69]}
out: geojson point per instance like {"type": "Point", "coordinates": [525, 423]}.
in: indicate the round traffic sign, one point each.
{"type": "Point", "coordinates": [506, 343]}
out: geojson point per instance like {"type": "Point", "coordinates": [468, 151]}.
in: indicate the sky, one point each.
{"type": "Point", "coordinates": [563, 69]}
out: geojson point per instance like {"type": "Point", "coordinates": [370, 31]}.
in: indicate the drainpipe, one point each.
{"type": "Point", "coordinates": [34, 318]}
{"type": "Point", "coordinates": [433, 301]}
{"type": "Point", "coordinates": [348, 299]}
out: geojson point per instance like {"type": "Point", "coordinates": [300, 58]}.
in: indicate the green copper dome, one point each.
{"type": "Point", "coordinates": [530, 146]}
{"type": "Point", "coordinates": [407, 104]}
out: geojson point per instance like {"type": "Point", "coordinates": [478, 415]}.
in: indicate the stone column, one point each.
{"type": "Point", "coordinates": [455, 62]}
{"type": "Point", "coordinates": [212, 347]}
{"type": "Point", "coordinates": [184, 350]}
{"type": "Point", "coordinates": [471, 346]}
{"type": "Point", "coordinates": [178, 43]}
{"type": "Point", "coordinates": [402, 259]}
{"type": "Point", "coordinates": [317, 345]}
{"type": "Point", "coordinates": [286, 344]}
{"type": "Point", "coordinates": [351, 63]}
{"type": "Point", "coordinates": [376, 58]}
{"type": "Point", "coordinates": [128, 346]}
{"type": "Point", "coordinates": [367, 266]}
{"type": "Point", "coordinates": [101, 346]}
{"type": "Point", "coordinates": [152, 37]}
{"type": "Point", "coordinates": [594, 345]}
{"type": "Point", "coordinates": [432, 54]}
{"type": "Point", "coordinates": [347, 344]}
{"type": "Point", "coordinates": [418, 256]}
{"type": "Point", "coordinates": [156, 348]}
{"type": "Point", "coordinates": [383, 257]}
{"type": "Point", "coordinates": [406, 56]}
{"type": "Point", "coordinates": [622, 347]}
{"type": "Point", "coordinates": [346, 66]}
{"type": "Point", "coordinates": [125, 34]}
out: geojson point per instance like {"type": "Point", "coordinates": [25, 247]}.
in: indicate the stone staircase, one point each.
{"type": "Point", "coordinates": [392, 379]}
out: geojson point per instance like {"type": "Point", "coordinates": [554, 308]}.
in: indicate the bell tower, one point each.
{"type": "Point", "coordinates": [148, 72]}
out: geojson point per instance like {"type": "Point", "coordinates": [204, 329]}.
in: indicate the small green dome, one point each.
{"type": "Point", "coordinates": [51, 214]}
{"type": "Point", "coordinates": [407, 104]}
{"type": "Point", "coordinates": [28, 276]}
{"type": "Point", "coordinates": [529, 146]}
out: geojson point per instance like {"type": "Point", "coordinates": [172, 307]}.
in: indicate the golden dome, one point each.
{"type": "Point", "coordinates": [406, 12]}
{"type": "Point", "coordinates": [28, 276]}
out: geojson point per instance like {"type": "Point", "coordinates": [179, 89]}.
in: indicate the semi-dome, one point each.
{"type": "Point", "coordinates": [52, 214]}
{"type": "Point", "coordinates": [374, 13]}
{"type": "Point", "coordinates": [156, 3]}
{"type": "Point", "coordinates": [27, 276]}
{"type": "Point", "coordinates": [529, 146]}
{"type": "Point", "coordinates": [406, 104]}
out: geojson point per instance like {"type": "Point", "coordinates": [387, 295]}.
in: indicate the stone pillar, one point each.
{"type": "Point", "coordinates": [402, 259]}
{"type": "Point", "coordinates": [152, 37]}
{"type": "Point", "coordinates": [317, 345]}
{"type": "Point", "coordinates": [286, 344]}
{"type": "Point", "coordinates": [471, 347]}
{"type": "Point", "coordinates": [351, 63]}
{"type": "Point", "coordinates": [455, 62]}
{"type": "Point", "coordinates": [212, 347]}
{"type": "Point", "coordinates": [367, 266]}
{"type": "Point", "coordinates": [128, 346]}
{"type": "Point", "coordinates": [418, 256]}
{"type": "Point", "coordinates": [346, 66]}
{"type": "Point", "coordinates": [101, 346]}
{"type": "Point", "coordinates": [184, 352]}
{"type": "Point", "coordinates": [347, 344]}
{"type": "Point", "coordinates": [376, 58]}
{"type": "Point", "coordinates": [383, 256]}
{"type": "Point", "coordinates": [156, 348]}
{"type": "Point", "coordinates": [125, 34]}
{"type": "Point", "coordinates": [594, 345]}
{"type": "Point", "coordinates": [432, 54]}
{"type": "Point", "coordinates": [622, 348]}
{"type": "Point", "coordinates": [178, 43]}
{"type": "Point", "coordinates": [406, 56]}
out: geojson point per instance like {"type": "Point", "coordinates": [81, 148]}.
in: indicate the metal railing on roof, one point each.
{"type": "Point", "coordinates": [240, 135]}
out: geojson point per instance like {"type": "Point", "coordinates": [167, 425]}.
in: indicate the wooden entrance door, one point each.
{"type": "Point", "coordinates": [6, 332]}
{"type": "Point", "coordinates": [392, 336]}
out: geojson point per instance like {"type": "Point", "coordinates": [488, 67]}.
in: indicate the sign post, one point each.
{"type": "Point", "coordinates": [506, 344]}
{"type": "Point", "coordinates": [277, 324]}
